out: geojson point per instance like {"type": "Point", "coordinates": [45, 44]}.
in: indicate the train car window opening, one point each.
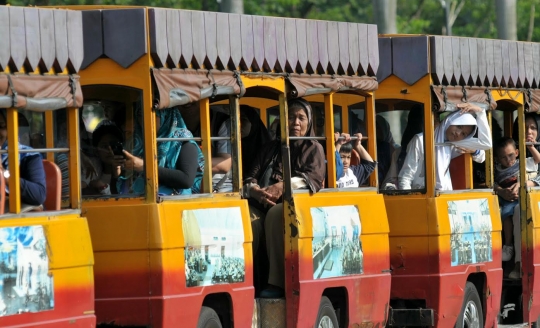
{"type": "Point", "coordinates": [112, 142]}
{"type": "Point", "coordinates": [400, 140]}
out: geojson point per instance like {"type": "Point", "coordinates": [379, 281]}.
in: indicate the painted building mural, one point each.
{"type": "Point", "coordinates": [25, 282]}
{"type": "Point", "coordinates": [470, 239]}
{"type": "Point", "coordinates": [337, 248]}
{"type": "Point", "coordinates": [214, 252]}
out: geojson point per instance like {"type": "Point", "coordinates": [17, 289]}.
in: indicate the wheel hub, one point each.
{"type": "Point", "coordinates": [326, 322]}
{"type": "Point", "coordinates": [470, 317]}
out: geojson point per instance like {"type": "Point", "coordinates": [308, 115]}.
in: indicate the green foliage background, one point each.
{"type": "Point", "coordinates": [476, 19]}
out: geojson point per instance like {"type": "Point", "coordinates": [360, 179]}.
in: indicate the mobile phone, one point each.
{"type": "Point", "coordinates": [117, 148]}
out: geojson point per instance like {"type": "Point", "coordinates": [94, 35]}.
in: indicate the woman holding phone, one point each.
{"type": "Point", "coordinates": [107, 141]}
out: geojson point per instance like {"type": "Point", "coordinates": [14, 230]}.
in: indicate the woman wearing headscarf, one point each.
{"type": "Point", "coordinates": [264, 188]}
{"type": "Point", "coordinates": [32, 175]}
{"type": "Point", "coordinates": [532, 122]}
{"type": "Point", "coordinates": [455, 136]}
{"type": "Point", "coordinates": [180, 163]}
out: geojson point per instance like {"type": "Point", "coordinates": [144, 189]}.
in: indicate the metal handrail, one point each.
{"type": "Point", "coordinates": [39, 150]}
{"type": "Point", "coordinates": [323, 138]}
{"type": "Point", "coordinates": [192, 139]}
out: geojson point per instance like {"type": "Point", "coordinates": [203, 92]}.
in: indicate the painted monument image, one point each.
{"type": "Point", "coordinates": [337, 248]}
{"type": "Point", "coordinates": [214, 252]}
{"type": "Point", "coordinates": [470, 239]}
{"type": "Point", "coordinates": [25, 283]}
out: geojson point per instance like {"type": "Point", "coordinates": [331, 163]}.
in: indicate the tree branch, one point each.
{"type": "Point", "coordinates": [456, 9]}
{"type": "Point", "coordinates": [418, 12]}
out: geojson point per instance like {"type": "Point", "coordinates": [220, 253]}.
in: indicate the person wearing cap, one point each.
{"type": "Point", "coordinates": [103, 182]}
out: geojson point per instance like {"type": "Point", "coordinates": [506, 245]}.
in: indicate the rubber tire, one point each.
{"type": "Point", "coordinates": [208, 318]}
{"type": "Point", "coordinates": [471, 294]}
{"type": "Point", "coordinates": [326, 310]}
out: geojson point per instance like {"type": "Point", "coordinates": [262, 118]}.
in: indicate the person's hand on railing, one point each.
{"type": "Point", "coordinates": [358, 139]}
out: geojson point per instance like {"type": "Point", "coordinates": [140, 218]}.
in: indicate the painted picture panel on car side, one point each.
{"type": "Point", "coordinates": [25, 283]}
{"type": "Point", "coordinates": [337, 248]}
{"type": "Point", "coordinates": [470, 223]}
{"type": "Point", "coordinates": [214, 252]}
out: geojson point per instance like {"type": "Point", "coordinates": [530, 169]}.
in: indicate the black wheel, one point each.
{"type": "Point", "coordinates": [326, 318]}
{"type": "Point", "coordinates": [471, 315]}
{"type": "Point", "coordinates": [208, 318]}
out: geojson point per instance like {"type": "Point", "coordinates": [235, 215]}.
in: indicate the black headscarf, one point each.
{"type": "Point", "coordinates": [258, 136]}
{"type": "Point", "coordinates": [415, 125]}
{"type": "Point", "coordinates": [307, 156]}
{"type": "Point", "coordinates": [515, 131]}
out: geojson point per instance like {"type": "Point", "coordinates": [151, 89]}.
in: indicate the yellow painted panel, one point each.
{"type": "Point", "coordinates": [274, 82]}
{"type": "Point", "coordinates": [135, 76]}
{"type": "Point", "coordinates": [407, 215]}
{"type": "Point", "coordinates": [118, 226]}
{"type": "Point", "coordinates": [395, 88]}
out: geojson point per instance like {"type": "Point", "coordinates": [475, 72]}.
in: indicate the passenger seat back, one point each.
{"type": "Point", "coordinates": [53, 178]}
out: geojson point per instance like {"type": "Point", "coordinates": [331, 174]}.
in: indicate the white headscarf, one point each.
{"type": "Point", "coordinates": [444, 153]}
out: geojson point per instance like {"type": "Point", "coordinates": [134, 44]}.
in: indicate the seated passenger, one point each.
{"type": "Point", "coordinates": [264, 188]}
{"type": "Point", "coordinates": [254, 136]}
{"type": "Point", "coordinates": [180, 163]}
{"type": "Point", "coordinates": [455, 136]}
{"type": "Point", "coordinates": [506, 175]}
{"type": "Point", "coordinates": [355, 175]}
{"type": "Point", "coordinates": [105, 138]}
{"type": "Point", "coordinates": [532, 122]}
{"type": "Point", "coordinates": [32, 175]}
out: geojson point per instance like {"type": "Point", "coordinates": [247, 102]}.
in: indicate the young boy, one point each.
{"type": "Point", "coordinates": [507, 175]}
{"type": "Point", "coordinates": [355, 175]}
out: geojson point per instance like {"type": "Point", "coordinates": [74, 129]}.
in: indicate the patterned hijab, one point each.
{"type": "Point", "coordinates": [173, 126]}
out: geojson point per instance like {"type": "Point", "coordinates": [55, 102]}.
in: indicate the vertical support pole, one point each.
{"type": "Point", "coordinates": [236, 143]}
{"type": "Point", "coordinates": [523, 204]}
{"type": "Point", "coordinates": [489, 156]}
{"type": "Point", "coordinates": [74, 158]}
{"type": "Point", "coordinates": [330, 145]}
{"type": "Point", "coordinates": [13, 161]}
{"type": "Point", "coordinates": [150, 147]}
{"type": "Point", "coordinates": [429, 148]}
{"type": "Point", "coordinates": [372, 137]}
{"type": "Point", "coordinates": [206, 144]}
{"type": "Point", "coordinates": [285, 153]}
{"type": "Point", "coordinates": [49, 134]}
